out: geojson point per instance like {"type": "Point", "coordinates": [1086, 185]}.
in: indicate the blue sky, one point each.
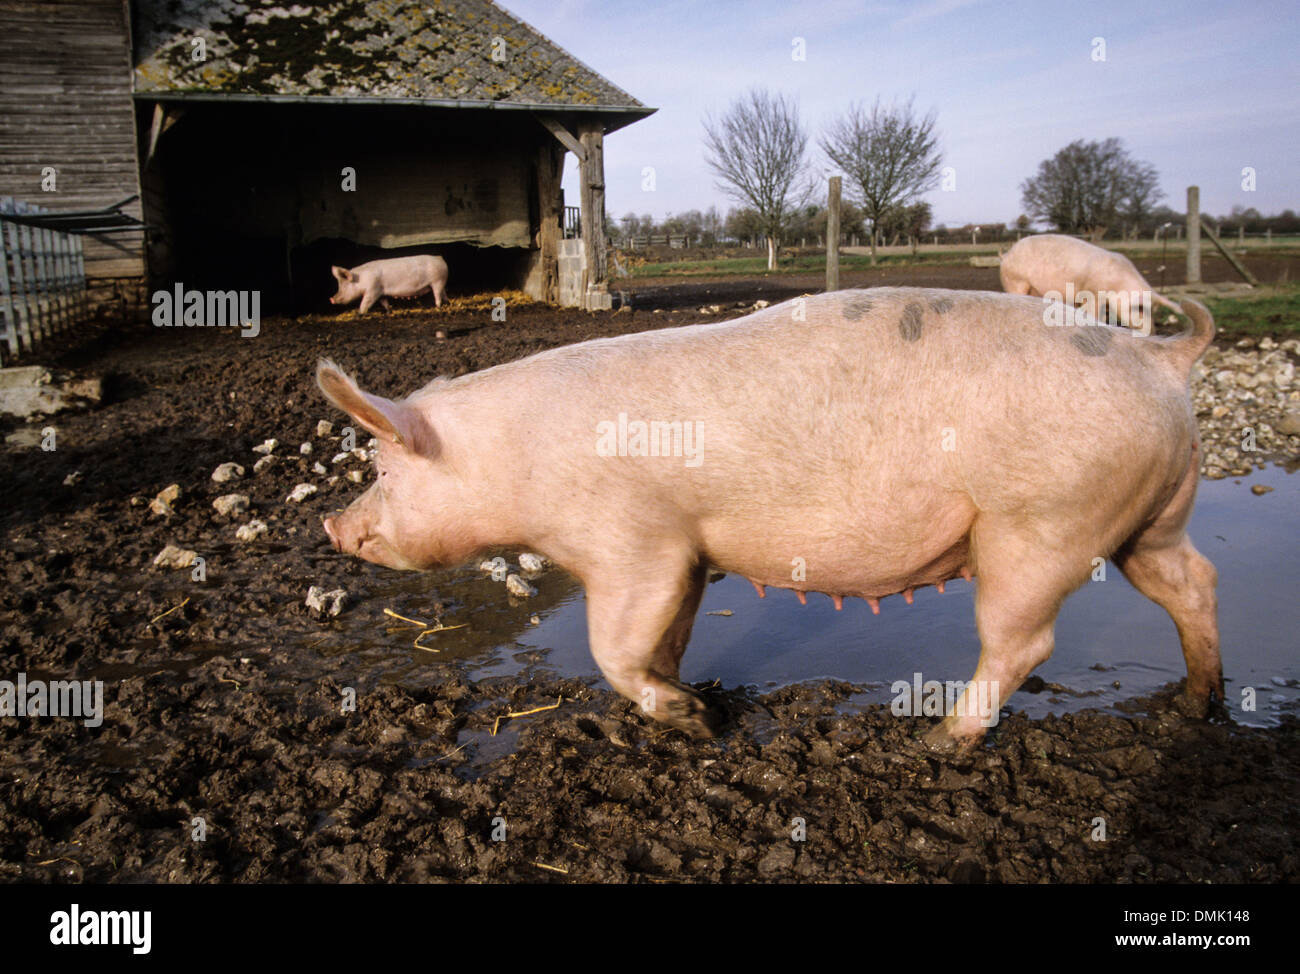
{"type": "Point", "coordinates": [1198, 89]}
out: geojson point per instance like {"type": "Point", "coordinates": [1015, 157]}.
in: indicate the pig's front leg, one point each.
{"type": "Point", "coordinates": [638, 628]}
{"type": "Point", "coordinates": [368, 299]}
{"type": "Point", "coordinates": [1022, 583]}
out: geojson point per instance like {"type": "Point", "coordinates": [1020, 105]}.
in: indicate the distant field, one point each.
{"type": "Point", "coordinates": [859, 258]}
{"type": "Point", "coordinates": [750, 266]}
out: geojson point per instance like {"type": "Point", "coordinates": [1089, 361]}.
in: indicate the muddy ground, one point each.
{"type": "Point", "coordinates": [224, 715]}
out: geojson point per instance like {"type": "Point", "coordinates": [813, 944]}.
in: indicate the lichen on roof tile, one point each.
{"type": "Point", "coordinates": [431, 49]}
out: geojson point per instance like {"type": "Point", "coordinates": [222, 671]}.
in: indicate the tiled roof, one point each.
{"type": "Point", "coordinates": [467, 52]}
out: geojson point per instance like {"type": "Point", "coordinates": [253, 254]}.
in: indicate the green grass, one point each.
{"type": "Point", "coordinates": [751, 266]}
{"type": "Point", "coordinates": [1276, 313]}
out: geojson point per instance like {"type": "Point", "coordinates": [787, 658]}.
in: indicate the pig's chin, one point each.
{"type": "Point", "coordinates": [382, 555]}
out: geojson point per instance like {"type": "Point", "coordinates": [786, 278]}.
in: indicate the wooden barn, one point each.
{"type": "Point", "coordinates": [267, 141]}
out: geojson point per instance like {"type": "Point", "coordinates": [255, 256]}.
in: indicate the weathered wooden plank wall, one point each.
{"type": "Point", "coordinates": [65, 102]}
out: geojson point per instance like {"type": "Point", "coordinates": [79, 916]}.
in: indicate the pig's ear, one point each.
{"type": "Point", "coordinates": [389, 421]}
{"type": "Point", "coordinates": [341, 273]}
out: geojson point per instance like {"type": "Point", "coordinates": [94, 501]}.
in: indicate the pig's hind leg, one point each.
{"type": "Point", "coordinates": [638, 628]}
{"type": "Point", "coordinates": [1181, 580]}
{"type": "Point", "coordinates": [1164, 565]}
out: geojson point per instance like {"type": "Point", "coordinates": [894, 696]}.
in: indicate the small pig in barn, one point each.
{"type": "Point", "coordinates": [394, 277]}
{"type": "Point", "coordinates": [1069, 268]}
{"type": "Point", "coordinates": [887, 439]}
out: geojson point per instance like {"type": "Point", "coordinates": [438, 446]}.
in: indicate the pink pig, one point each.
{"type": "Point", "coordinates": [1071, 270]}
{"type": "Point", "coordinates": [880, 440]}
{"type": "Point", "coordinates": [395, 277]}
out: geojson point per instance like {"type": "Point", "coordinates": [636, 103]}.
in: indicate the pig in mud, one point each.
{"type": "Point", "coordinates": [395, 277]}
{"type": "Point", "coordinates": [1065, 269]}
{"type": "Point", "coordinates": [887, 439]}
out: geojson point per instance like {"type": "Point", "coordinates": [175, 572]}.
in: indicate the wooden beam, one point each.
{"type": "Point", "coordinates": [564, 135]}
{"type": "Point", "coordinates": [1237, 265]}
{"type": "Point", "coordinates": [163, 119]}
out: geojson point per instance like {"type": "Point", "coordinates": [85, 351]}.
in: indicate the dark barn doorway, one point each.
{"type": "Point", "coordinates": [250, 196]}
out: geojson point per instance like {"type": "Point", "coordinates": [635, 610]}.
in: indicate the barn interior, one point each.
{"type": "Point", "coordinates": [268, 195]}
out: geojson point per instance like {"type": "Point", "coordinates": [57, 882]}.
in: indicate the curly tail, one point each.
{"type": "Point", "coordinates": [1172, 306]}
{"type": "Point", "coordinates": [1186, 348]}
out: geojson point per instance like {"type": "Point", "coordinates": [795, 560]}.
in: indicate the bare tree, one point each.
{"type": "Point", "coordinates": [889, 155]}
{"type": "Point", "coordinates": [1088, 186]}
{"type": "Point", "coordinates": [757, 149]}
{"type": "Point", "coordinates": [1142, 192]}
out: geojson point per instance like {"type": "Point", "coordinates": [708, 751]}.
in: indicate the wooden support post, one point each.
{"type": "Point", "coordinates": [1237, 265]}
{"type": "Point", "coordinates": [592, 170]}
{"type": "Point", "coordinates": [1193, 235]}
{"type": "Point", "coordinates": [833, 235]}
{"type": "Point", "coordinates": [550, 216]}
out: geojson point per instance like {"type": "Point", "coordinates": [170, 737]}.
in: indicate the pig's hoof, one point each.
{"type": "Point", "coordinates": [1199, 706]}
{"type": "Point", "coordinates": [939, 740]}
{"type": "Point", "coordinates": [1192, 706]}
{"type": "Point", "coordinates": [689, 713]}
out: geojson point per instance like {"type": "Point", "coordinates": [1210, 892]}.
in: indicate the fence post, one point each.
{"type": "Point", "coordinates": [65, 265]}
{"type": "Point", "coordinates": [1193, 235]}
{"type": "Point", "coordinates": [19, 282]}
{"type": "Point", "coordinates": [6, 292]}
{"type": "Point", "coordinates": [833, 235]}
{"type": "Point", "coordinates": [47, 276]}
{"type": "Point", "coordinates": [26, 242]}
{"type": "Point", "coordinates": [79, 270]}
{"type": "Point", "coordinates": [56, 282]}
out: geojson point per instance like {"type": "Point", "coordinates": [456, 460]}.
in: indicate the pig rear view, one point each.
{"type": "Point", "coordinates": [884, 439]}
{"type": "Point", "coordinates": [1052, 262]}
{"type": "Point", "coordinates": [393, 277]}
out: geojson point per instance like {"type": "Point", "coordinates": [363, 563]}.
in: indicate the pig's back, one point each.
{"type": "Point", "coordinates": [1050, 261]}
{"type": "Point", "coordinates": [869, 380]}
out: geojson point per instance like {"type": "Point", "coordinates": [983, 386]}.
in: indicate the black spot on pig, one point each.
{"type": "Point", "coordinates": [909, 326]}
{"type": "Point", "coordinates": [940, 305]}
{"type": "Point", "coordinates": [857, 306]}
{"type": "Point", "coordinates": [1093, 340]}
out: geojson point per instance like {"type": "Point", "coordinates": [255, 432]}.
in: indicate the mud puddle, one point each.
{"type": "Point", "coordinates": [1112, 642]}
